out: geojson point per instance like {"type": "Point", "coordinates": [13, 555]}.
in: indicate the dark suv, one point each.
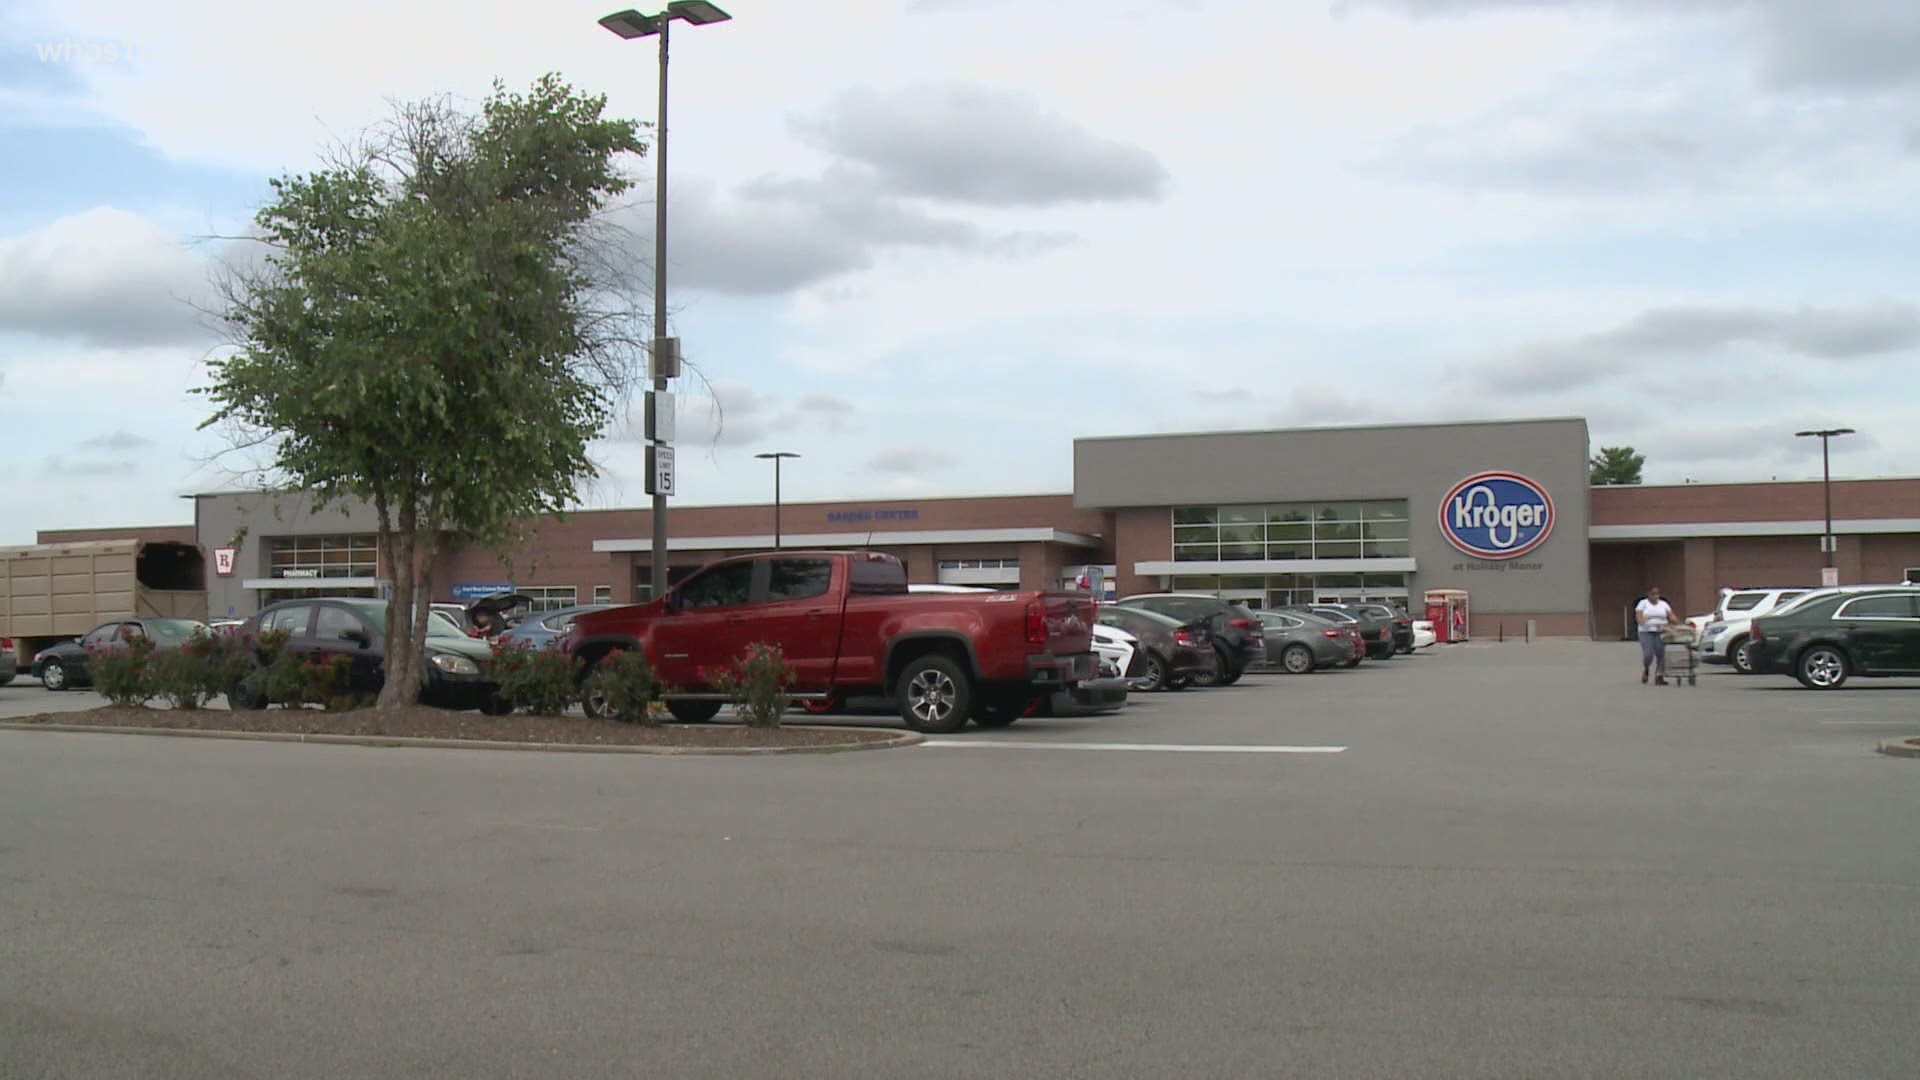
{"type": "Point", "coordinates": [1825, 639]}
{"type": "Point", "coordinates": [1400, 621]}
{"type": "Point", "coordinates": [1237, 635]}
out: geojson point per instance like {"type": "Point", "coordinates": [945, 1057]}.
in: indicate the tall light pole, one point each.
{"type": "Point", "coordinates": [776, 456]}
{"type": "Point", "coordinates": [1826, 485]}
{"type": "Point", "coordinates": [665, 354]}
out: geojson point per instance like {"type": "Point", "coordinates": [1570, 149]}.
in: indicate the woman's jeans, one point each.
{"type": "Point", "coordinates": [1653, 651]}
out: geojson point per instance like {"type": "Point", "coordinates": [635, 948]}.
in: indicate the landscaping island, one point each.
{"type": "Point", "coordinates": [425, 722]}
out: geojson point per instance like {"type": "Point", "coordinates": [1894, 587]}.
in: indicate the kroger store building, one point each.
{"type": "Point", "coordinates": [1501, 510]}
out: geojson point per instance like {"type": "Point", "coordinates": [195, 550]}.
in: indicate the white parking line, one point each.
{"type": "Point", "coordinates": [1871, 723]}
{"type": "Point", "coordinates": [1157, 748]}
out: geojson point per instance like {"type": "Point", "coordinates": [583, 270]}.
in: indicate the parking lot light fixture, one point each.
{"type": "Point", "coordinates": [631, 24]}
{"type": "Point", "coordinates": [776, 456]}
{"type": "Point", "coordinates": [1826, 435]}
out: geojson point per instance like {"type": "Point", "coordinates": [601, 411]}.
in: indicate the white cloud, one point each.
{"type": "Point", "coordinates": [104, 277]}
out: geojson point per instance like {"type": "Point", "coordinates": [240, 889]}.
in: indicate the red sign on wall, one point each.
{"type": "Point", "coordinates": [223, 561]}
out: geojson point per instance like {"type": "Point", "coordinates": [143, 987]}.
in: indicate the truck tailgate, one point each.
{"type": "Point", "coordinates": [1069, 619]}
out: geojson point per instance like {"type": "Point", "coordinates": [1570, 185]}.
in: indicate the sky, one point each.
{"type": "Point", "coordinates": [926, 243]}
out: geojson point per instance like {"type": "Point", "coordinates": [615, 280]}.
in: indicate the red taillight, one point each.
{"type": "Point", "coordinates": [1183, 636]}
{"type": "Point", "coordinates": [1331, 633]}
{"type": "Point", "coordinates": [6, 644]}
{"type": "Point", "coordinates": [1242, 624]}
{"type": "Point", "coordinates": [1758, 636]}
{"type": "Point", "coordinates": [1036, 623]}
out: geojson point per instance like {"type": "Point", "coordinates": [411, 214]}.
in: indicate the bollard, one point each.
{"type": "Point", "coordinates": [1532, 627]}
{"type": "Point", "coordinates": [1502, 638]}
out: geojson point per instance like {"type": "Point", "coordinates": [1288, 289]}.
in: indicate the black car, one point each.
{"type": "Point", "coordinates": [453, 677]}
{"type": "Point", "coordinates": [1825, 640]}
{"type": "Point", "coordinates": [1401, 622]}
{"type": "Point", "coordinates": [1375, 631]}
{"type": "Point", "coordinates": [64, 666]}
{"type": "Point", "coordinates": [1170, 654]}
{"type": "Point", "coordinates": [1237, 635]}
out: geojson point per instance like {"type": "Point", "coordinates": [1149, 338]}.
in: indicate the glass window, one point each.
{"type": "Point", "coordinates": [723, 586]}
{"type": "Point", "coordinates": [100, 635]}
{"type": "Point", "coordinates": [291, 619]}
{"type": "Point", "coordinates": [1385, 530]}
{"type": "Point", "coordinates": [798, 579]}
{"type": "Point", "coordinates": [337, 624]}
{"type": "Point", "coordinates": [1385, 549]}
{"type": "Point", "coordinates": [1243, 551]}
{"type": "Point", "coordinates": [1745, 601]}
{"type": "Point", "coordinates": [1879, 607]}
{"type": "Point", "coordinates": [322, 556]}
{"type": "Point", "coordinates": [877, 577]}
{"type": "Point", "coordinates": [603, 594]}
{"type": "Point", "coordinates": [1289, 513]}
{"type": "Point", "coordinates": [1336, 549]}
{"type": "Point", "coordinates": [1242, 515]}
{"type": "Point", "coordinates": [1195, 534]}
{"type": "Point", "coordinates": [1291, 530]}
{"type": "Point", "coordinates": [1196, 552]}
{"type": "Point", "coordinates": [549, 597]}
{"type": "Point", "coordinates": [1195, 515]}
{"type": "Point", "coordinates": [1385, 510]}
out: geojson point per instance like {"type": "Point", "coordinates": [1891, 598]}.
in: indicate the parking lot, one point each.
{"type": "Point", "coordinates": [1492, 861]}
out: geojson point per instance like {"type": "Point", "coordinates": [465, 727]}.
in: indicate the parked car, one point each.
{"type": "Point", "coordinates": [1376, 634]}
{"type": "Point", "coordinates": [1832, 636]}
{"type": "Point", "coordinates": [1398, 622]}
{"type": "Point", "coordinates": [1424, 635]}
{"type": "Point", "coordinates": [9, 664]}
{"type": "Point", "coordinates": [454, 675]}
{"type": "Point", "coordinates": [1171, 654]}
{"type": "Point", "coordinates": [64, 666]}
{"type": "Point", "coordinates": [1238, 639]}
{"type": "Point", "coordinates": [454, 613]}
{"type": "Point", "coordinates": [847, 625]}
{"type": "Point", "coordinates": [1298, 643]}
{"type": "Point", "coordinates": [545, 629]}
{"type": "Point", "coordinates": [1724, 638]}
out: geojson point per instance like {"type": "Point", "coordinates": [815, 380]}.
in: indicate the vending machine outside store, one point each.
{"type": "Point", "coordinates": [1447, 610]}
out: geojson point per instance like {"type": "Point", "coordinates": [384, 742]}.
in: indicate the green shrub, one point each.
{"type": "Point", "coordinates": [542, 681]}
{"type": "Point", "coordinates": [199, 670]}
{"type": "Point", "coordinates": [119, 672]}
{"type": "Point", "coordinates": [294, 684]}
{"type": "Point", "coordinates": [757, 683]}
{"type": "Point", "coordinates": [624, 683]}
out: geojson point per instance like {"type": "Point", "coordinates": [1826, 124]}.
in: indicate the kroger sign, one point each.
{"type": "Point", "coordinates": [1496, 515]}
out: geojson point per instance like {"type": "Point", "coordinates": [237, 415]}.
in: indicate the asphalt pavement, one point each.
{"type": "Point", "coordinates": [1490, 862]}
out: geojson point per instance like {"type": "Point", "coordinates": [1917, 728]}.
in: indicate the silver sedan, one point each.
{"type": "Point", "coordinates": [1298, 643]}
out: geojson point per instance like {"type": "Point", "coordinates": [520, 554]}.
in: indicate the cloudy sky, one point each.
{"type": "Point", "coordinates": [925, 243]}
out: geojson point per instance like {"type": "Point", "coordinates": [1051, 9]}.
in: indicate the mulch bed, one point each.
{"type": "Point", "coordinates": [425, 722]}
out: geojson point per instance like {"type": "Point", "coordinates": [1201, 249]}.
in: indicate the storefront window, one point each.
{"type": "Point", "coordinates": [323, 557]}
{"type": "Point", "coordinates": [1289, 531]}
{"type": "Point", "coordinates": [549, 597]}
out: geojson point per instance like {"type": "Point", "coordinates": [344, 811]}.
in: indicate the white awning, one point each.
{"type": "Point", "coordinates": [1277, 566]}
{"type": "Point", "coordinates": [845, 540]}
{"type": "Point", "coordinates": [275, 584]}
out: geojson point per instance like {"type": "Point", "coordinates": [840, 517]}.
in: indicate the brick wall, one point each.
{"type": "Point", "coordinates": [1784, 501]}
{"type": "Point", "coordinates": [176, 534]}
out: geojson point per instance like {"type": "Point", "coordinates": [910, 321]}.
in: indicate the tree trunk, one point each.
{"type": "Point", "coordinates": [402, 685]}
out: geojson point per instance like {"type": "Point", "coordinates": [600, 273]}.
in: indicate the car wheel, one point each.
{"type": "Point", "coordinates": [246, 695]}
{"type": "Point", "coordinates": [934, 694]}
{"type": "Point", "coordinates": [1354, 663]}
{"type": "Point", "coordinates": [53, 676]}
{"type": "Point", "coordinates": [1823, 667]}
{"type": "Point", "coordinates": [1740, 655]}
{"type": "Point", "coordinates": [1214, 673]}
{"type": "Point", "coordinates": [1296, 660]}
{"type": "Point", "coordinates": [693, 712]}
{"type": "Point", "coordinates": [1153, 674]}
{"type": "Point", "coordinates": [5, 679]}
{"type": "Point", "coordinates": [1000, 713]}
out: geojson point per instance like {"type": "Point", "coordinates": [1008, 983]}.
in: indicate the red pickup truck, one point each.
{"type": "Point", "coordinates": [848, 626]}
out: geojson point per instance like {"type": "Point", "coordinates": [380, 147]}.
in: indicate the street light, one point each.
{"type": "Point", "coordinates": [631, 24]}
{"type": "Point", "coordinates": [1826, 485]}
{"type": "Point", "coordinates": [775, 456]}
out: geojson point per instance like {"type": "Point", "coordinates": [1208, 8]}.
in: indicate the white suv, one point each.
{"type": "Point", "coordinates": [1724, 641]}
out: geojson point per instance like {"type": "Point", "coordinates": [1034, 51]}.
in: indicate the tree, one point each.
{"type": "Point", "coordinates": [441, 327]}
{"type": "Point", "coordinates": [1616, 465]}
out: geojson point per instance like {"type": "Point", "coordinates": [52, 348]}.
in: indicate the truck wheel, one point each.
{"type": "Point", "coordinates": [1297, 660]}
{"type": "Point", "coordinates": [54, 676]}
{"type": "Point", "coordinates": [693, 712]}
{"type": "Point", "coordinates": [935, 696]}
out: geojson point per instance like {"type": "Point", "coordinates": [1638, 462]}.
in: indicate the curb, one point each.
{"type": "Point", "coordinates": [898, 739]}
{"type": "Point", "coordinates": [1904, 747]}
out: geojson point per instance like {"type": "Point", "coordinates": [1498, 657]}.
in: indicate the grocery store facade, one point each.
{"type": "Point", "coordinates": [1500, 510]}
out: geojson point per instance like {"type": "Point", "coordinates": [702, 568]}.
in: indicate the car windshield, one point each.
{"type": "Point", "coordinates": [375, 614]}
{"type": "Point", "coordinates": [172, 631]}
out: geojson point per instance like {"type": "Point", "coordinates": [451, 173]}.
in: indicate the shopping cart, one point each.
{"type": "Point", "coordinates": [1682, 645]}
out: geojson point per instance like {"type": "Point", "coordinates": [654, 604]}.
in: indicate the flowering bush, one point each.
{"type": "Point", "coordinates": [119, 672]}
{"type": "Point", "coordinates": [203, 668]}
{"type": "Point", "coordinates": [542, 681]}
{"type": "Point", "coordinates": [757, 683]}
{"type": "Point", "coordinates": [622, 687]}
